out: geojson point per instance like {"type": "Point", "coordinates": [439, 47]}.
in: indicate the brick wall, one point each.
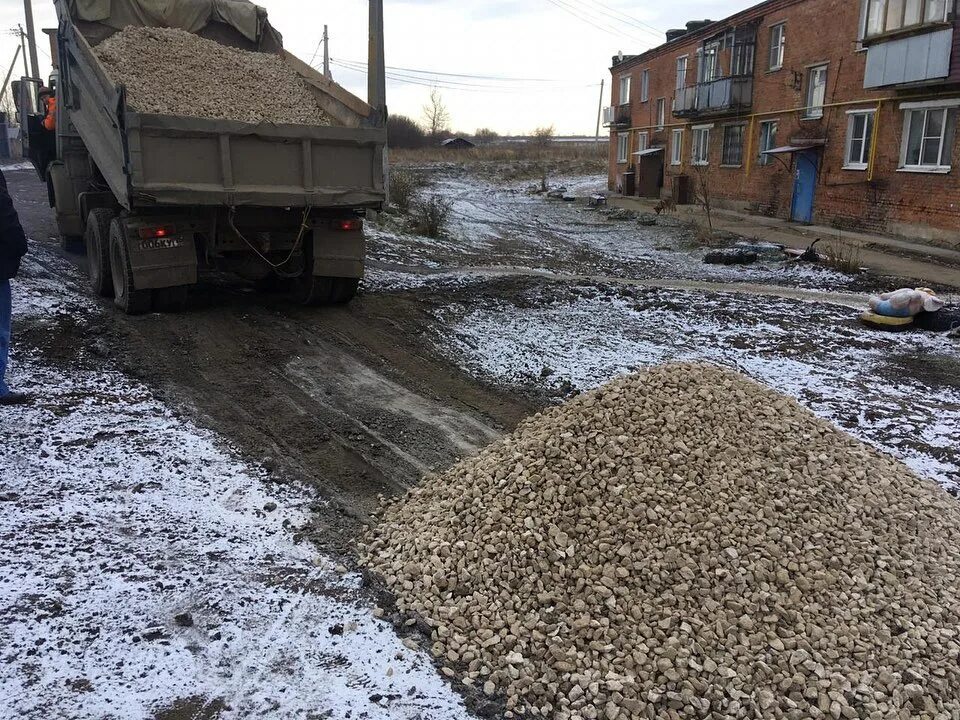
{"type": "Point", "coordinates": [817, 31]}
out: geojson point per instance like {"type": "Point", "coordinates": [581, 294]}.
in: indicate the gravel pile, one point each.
{"type": "Point", "coordinates": [173, 72]}
{"type": "Point", "coordinates": [684, 543]}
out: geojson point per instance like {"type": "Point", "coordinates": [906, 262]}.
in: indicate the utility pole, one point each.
{"type": "Point", "coordinates": [23, 46]}
{"type": "Point", "coordinates": [377, 81]}
{"type": "Point", "coordinates": [600, 107]}
{"type": "Point", "coordinates": [3, 88]}
{"type": "Point", "coordinates": [326, 54]}
{"type": "Point", "coordinates": [31, 38]}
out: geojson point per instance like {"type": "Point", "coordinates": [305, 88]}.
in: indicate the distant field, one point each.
{"type": "Point", "coordinates": [516, 160]}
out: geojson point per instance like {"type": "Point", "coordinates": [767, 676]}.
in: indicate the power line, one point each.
{"type": "Point", "coordinates": [315, 51]}
{"type": "Point", "coordinates": [599, 25]}
{"type": "Point", "coordinates": [457, 75]}
{"type": "Point", "coordinates": [623, 17]}
{"type": "Point", "coordinates": [462, 87]}
{"type": "Point", "coordinates": [356, 65]}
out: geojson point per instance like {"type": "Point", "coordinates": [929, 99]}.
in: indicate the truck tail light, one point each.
{"type": "Point", "coordinates": [161, 231]}
{"type": "Point", "coordinates": [349, 225]}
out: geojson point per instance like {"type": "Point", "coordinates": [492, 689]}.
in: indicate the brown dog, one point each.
{"type": "Point", "coordinates": [665, 205]}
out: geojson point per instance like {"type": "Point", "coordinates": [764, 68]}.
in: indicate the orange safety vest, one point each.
{"type": "Point", "coordinates": [50, 121]}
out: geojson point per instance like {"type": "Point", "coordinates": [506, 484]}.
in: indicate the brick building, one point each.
{"type": "Point", "coordinates": [840, 112]}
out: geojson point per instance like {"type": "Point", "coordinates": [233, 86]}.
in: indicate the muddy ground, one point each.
{"type": "Point", "coordinates": [363, 400]}
{"type": "Point", "coordinates": [451, 342]}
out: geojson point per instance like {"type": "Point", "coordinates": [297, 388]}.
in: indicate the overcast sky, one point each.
{"type": "Point", "coordinates": [567, 43]}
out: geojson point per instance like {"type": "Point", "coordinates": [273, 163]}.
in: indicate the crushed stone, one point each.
{"type": "Point", "coordinates": [168, 71]}
{"type": "Point", "coordinates": [684, 542]}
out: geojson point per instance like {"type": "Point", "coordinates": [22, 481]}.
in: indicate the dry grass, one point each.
{"type": "Point", "coordinates": [514, 161]}
{"type": "Point", "coordinates": [842, 256]}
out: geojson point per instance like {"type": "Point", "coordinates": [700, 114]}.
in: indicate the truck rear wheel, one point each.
{"type": "Point", "coordinates": [171, 299]}
{"type": "Point", "coordinates": [97, 240]}
{"type": "Point", "coordinates": [322, 290]}
{"type": "Point", "coordinates": [126, 297]}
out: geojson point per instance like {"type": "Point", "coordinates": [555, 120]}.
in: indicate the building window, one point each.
{"type": "Point", "coordinates": [859, 137]}
{"type": "Point", "coordinates": [700, 150]}
{"type": "Point", "coordinates": [623, 147]}
{"type": "Point", "coordinates": [625, 90]}
{"type": "Point", "coordinates": [643, 141]}
{"type": "Point", "coordinates": [928, 138]}
{"type": "Point", "coordinates": [681, 72]}
{"type": "Point", "coordinates": [676, 147]}
{"type": "Point", "coordinates": [778, 38]}
{"type": "Point", "coordinates": [741, 64]}
{"type": "Point", "coordinates": [732, 146]}
{"type": "Point", "coordinates": [644, 86]}
{"type": "Point", "coordinates": [707, 69]}
{"type": "Point", "coordinates": [661, 112]}
{"type": "Point", "coordinates": [885, 16]}
{"type": "Point", "coordinates": [768, 140]}
{"type": "Point", "coordinates": [816, 91]}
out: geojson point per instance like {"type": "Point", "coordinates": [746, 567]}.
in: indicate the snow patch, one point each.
{"type": "Point", "coordinates": [117, 517]}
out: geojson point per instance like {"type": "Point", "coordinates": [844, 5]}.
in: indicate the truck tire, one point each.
{"type": "Point", "coordinates": [346, 289]}
{"type": "Point", "coordinates": [97, 240]}
{"type": "Point", "coordinates": [128, 299]}
{"type": "Point", "coordinates": [321, 290]}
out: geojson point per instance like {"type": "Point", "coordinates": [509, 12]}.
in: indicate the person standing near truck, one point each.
{"type": "Point", "coordinates": [13, 246]}
{"type": "Point", "coordinates": [49, 100]}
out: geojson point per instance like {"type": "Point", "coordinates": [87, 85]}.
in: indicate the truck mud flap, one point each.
{"type": "Point", "coordinates": [162, 254]}
{"type": "Point", "coordinates": [63, 197]}
{"type": "Point", "coordinates": [338, 254]}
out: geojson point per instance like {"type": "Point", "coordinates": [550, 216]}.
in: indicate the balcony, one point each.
{"type": "Point", "coordinates": [617, 116]}
{"type": "Point", "coordinates": [716, 97]}
{"type": "Point", "coordinates": [923, 57]}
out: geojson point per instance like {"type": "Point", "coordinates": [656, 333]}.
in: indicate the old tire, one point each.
{"type": "Point", "coordinates": [126, 297]}
{"type": "Point", "coordinates": [321, 290]}
{"type": "Point", "coordinates": [97, 241]}
{"type": "Point", "coordinates": [171, 299]}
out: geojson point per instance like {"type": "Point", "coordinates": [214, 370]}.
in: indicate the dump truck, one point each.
{"type": "Point", "coordinates": [156, 199]}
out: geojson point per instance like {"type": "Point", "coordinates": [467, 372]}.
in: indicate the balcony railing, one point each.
{"type": "Point", "coordinates": [714, 97]}
{"type": "Point", "coordinates": [617, 116]}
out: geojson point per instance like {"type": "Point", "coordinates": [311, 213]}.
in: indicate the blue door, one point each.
{"type": "Point", "coordinates": [804, 185]}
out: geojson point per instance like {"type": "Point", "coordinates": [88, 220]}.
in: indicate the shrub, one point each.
{"type": "Point", "coordinates": [430, 215]}
{"type": "Point", "coordinates": [543, 135]}
{"type": "Point", "coordinates": [403, 189]}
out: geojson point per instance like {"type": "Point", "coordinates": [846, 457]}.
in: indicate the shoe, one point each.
{"type": "Point", "coordinates": [14, 398]}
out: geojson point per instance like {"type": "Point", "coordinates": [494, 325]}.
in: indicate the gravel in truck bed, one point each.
{"type": "Point", "coordinates": [173, 72]}
{"type": "Point", "coordinates": [684, 543]}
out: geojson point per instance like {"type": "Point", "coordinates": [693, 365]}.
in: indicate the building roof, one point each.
{"type": "Point", "coordinates": [705, 31]}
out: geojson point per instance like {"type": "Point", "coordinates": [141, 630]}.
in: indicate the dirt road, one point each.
{"type": "Point", "coordinates": [450, 343]}
{"type": "Point", "coordinates": [352, 400]}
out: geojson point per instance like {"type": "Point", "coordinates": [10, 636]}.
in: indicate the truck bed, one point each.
{"type": "Point", "coordinates": [150, 160]}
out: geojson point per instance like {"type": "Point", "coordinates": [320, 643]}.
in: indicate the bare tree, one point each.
{"type": "Point", "coordinates": [435, 114]}
{"type": "Point", "coordinates": [704, 194]}
{"type": "Point", "coordinates": [485, 135]}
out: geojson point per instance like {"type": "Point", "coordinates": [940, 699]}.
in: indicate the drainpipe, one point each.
{"type": "Point", "coordinates": [873, 141]}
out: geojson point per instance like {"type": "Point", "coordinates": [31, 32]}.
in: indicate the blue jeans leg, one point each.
{"type": "Point", "coordinates": [5, 311]}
